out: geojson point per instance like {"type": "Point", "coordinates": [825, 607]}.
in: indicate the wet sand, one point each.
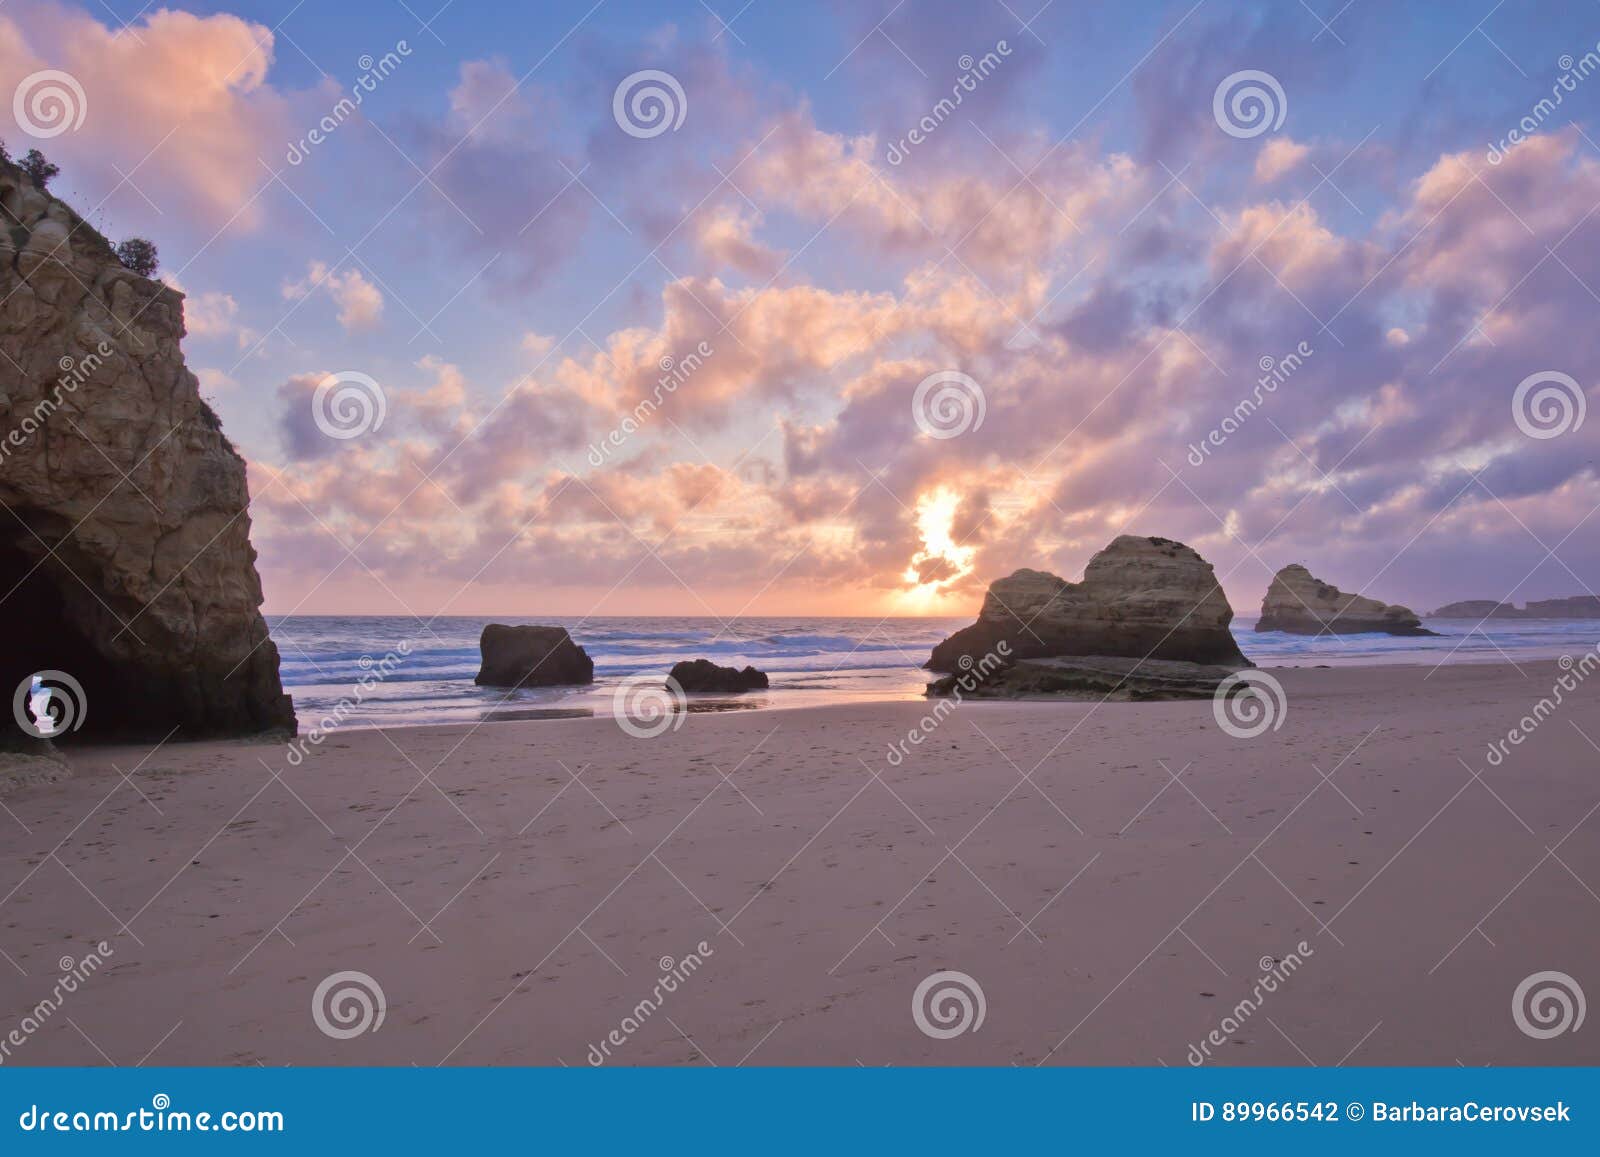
{"type": "Point", "coordinates": [1113, 877]}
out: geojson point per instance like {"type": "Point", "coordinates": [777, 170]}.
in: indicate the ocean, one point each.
{"type": "Point", "coordinates": [420, 672]}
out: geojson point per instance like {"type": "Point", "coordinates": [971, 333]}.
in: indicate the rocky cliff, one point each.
{"type": "Point", "coordinates": [1140, 598]}
{"type": "Point", "coordinates": [1302, 604]}
{"type": "Point", "coordinates": [125, 557]}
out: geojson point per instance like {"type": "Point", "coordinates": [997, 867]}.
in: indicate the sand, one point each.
{"type": "Point", "coordinates": [516, 889]}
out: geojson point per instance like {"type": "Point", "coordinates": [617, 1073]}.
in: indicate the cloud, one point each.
{"type": "Point", "coordinates": [988, 215]}
{"type": "Point", "coordinates": [297, 426]}
{"type": "Point", "coordinates": [1279, 156]}
{"type": "Point", "coordinates": [359, 302]}
{"type": "Point", "coordinates": [215, 315]}
{"type": "Point", "coordinates": [210, 314]}
{"type": "Point", "coordinates": [1110, 323]}
{"type": "Point", "coordinates": [504, 186]}
{"type": "Point", "coordinates": [214, 380]}
{"type": "Point", "coordinates": [725, 237]}
{"type": "Point", "coordinates": [179, 103]}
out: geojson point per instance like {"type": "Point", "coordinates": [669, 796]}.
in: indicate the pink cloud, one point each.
{"type": "Point", "coordinates": [359, 303]}
{"type": "Point", "coordinates": [179, 103]}
{"type": "Point", "coordinates": [1279, 157]}
{"type": "Point", "coordinates": [1129, 359]}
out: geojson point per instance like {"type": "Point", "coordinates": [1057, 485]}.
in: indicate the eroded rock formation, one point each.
{"type": "Point", "coordinates": [704, 675]}
{"type": "Point", "coordinates": [1301, 604]}
{"type": "Point", "coordinates": [1140, 598]}
{"type": "Point", "coordinates": [125, 555]}
{"type": "Point", "coordinates": [531, 657]}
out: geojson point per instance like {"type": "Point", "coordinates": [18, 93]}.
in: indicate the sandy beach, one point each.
{"type": "Point", "coordinates": [1114, 878]}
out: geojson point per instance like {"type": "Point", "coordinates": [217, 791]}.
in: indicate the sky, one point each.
{"type": "Point", "coordinates": [734, 308]}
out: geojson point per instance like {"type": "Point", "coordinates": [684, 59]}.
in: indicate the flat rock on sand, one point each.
{"type": "Point", "coordinates": [18, 771]}
{"type": "Point", "coordinates": [704, 675]}
{"type": "Point", "coordinates": [1090, 677]}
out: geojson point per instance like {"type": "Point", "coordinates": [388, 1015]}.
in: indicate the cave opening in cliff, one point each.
{"type": "Point", "coordinates": [40, 632]}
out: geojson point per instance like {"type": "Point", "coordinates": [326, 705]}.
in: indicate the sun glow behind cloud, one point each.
{"type": "Point", "coordinates": [1109, 319]}
{"type": "Point", "coordinates": [942, 560]}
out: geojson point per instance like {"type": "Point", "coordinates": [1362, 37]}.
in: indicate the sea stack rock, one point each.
{"type": "Point", "coordinates": [1301, 604]}
{"type": "Point", "coordinates": [704, 675]}
{"type": "Point", "coordinates": [1140, 598]}
{"type": "Point", "coordinates": [126, 550]}
{"type": "Point", "coordinates": [531, 657]}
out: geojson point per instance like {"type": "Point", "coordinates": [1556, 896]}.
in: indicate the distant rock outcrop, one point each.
{"type": "Point", "coordinates": [531, 657]}
{"type": "Point", "coordinates": [1140, 598]}
{"type": "Point", "coordinates": [125, 557]}
{"type": "Point", "coordinates": [1573, 607]}
{"type": "Point", "coordinates": [1477, 609]}
{"type": "Point", "coordinates": [704, 675]}
{"type": "Point", "coordinates": [1301, 604]}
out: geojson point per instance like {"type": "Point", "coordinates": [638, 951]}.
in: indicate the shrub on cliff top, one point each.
{"type": "Point", "coordinates": [139, 255]}
{"type": "Point", "coordinates": [39, 170]}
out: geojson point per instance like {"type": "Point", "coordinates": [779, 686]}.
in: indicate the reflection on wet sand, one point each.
{"type": "Point", "coordinates": [539, 713]}
{"type": "Point", "coordinates": [696, 704]}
